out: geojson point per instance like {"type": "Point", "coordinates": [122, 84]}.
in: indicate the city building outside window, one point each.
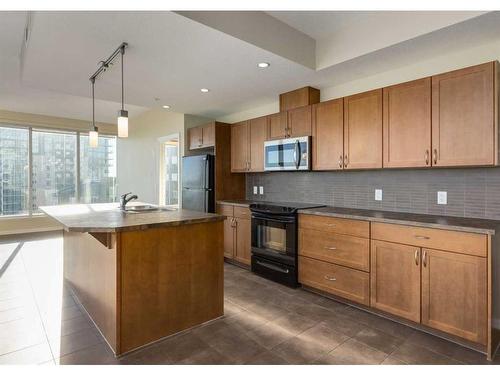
{"type": "Point", "coordinates": [170, 170]}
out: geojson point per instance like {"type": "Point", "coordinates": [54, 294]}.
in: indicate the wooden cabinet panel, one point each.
{"type": "Point", "coordinates": [407, 124]}
{"type": "Point", "coordinates": [342, 281]}
{"type": "Point", "coordinates": [460, 242]}
{"type": "Point", "coordinates": [229, 237]}
{"type": "Point", "coordinates": [300, 121]}
{"type": "Point", "coordinates": [195, 137]}
{"type": "Point", "coordinates": [208, 135]}
{"type": "Point", "coordinates": [454, 294]}
{"type": "Point", "coordinates": [239, 147]}
{"type": "Point", "coordinates": [395, 279]}
{"type": "Point", "coordinates": [359, 228]}
{"type": "Point", "coordinates": [243, 241]}
{"type": "Point", "coordinates": [258, 135]}
{"type": "Point", "coordinates": [328, 135]}
{"type": "Point", "coordinates": [225, 209]}
{"type": "Point", "coordinates": [363, 130]}
{"type": "Point", "coordinates": [299, 98]}
{"type": "Point", "coordinates": [242, 212]}
{"type": "Point", "coordinates": [347, 251]}
{"type": "Point", "coordinates": [278, 125]}
{"type": "Point", "coordinates": [464, 127]}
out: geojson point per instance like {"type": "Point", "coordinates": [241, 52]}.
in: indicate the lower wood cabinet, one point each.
{"type": "Point", "coordinates": [395, 279]}
{"type": "Point", "coordinates": [237, 232]}
{"type": "Point", "coordinates": [242, 251]}
{"type": "Point", "coordinates": [454, 294]}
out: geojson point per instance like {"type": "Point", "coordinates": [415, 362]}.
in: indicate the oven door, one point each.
{"type": "Point", "coordinates": [274, 237]}
{"type": "Point", "coordinates": [287, 154]}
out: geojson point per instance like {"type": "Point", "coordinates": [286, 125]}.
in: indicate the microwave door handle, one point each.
{"type": "Point", "coordinates": [296, 151]}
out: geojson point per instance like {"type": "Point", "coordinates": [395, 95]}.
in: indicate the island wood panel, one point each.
{"type": "Point", "coordinates": [328, 135]}
{"type": "Point", "coordinates": [278, 125]}
{"type": "Point", "coordinates": [363, 130]}
{"type": "Point", "coordinates": [465, 117]}
{"type": "Point", "coordinates": [239, 147]}
{"type": "Point", "coordinates": [454, 294]}
{"type": "Point", "coordinates": [395, 279]}
{"type": "Point", "coordinates": [91, 269]}
{"type": "Point", "coordinates": [172, 279]}
{"type": "Point", "coordinates": [258, 135]}
{"type": "Point", "coordinates": [407, 124]}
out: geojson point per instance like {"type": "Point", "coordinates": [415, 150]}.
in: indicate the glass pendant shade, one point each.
{"type": "Point", "coordinates": [93, 138]}
{"type": "Point", "coordinates": [123, 124]}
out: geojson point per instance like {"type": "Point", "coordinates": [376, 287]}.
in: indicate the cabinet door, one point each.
{"type": "Point", "coordinates": [278, 125]}
{"type": "Point", "coordinates": [258, 135]}
{"type": "Point", "coordinates": [454, 294]}
{"type": "Point", "coordinates": [395, 279]}
{"type": "Point", "coordinates": [363, 130]}
{"type": "Point", "coordinates": [208, 135]}
{"type": "Point", "coordinates": [229, 238]}
{"type": "Point", "coordinates": [463, 122]}
{"type": "Point", "coordinates": [195, 138]}
{"type": "Point", "coordinates": [239, 147]}
{"type": "Point", "coordinates": [407, 124]}
{"type": "Point", "coordinates": [328, 135]}
{"type": "Point", "coordinates": [299, 121]}
{"type": "Point", "coordinates": [243, 240]}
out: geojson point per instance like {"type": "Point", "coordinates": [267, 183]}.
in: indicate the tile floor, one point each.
{"type": "Point", "coordinates": [264, 323]}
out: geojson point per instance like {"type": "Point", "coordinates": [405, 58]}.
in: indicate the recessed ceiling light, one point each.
{"type": "Point", "coordinates": [204, 90]}
{"type": "Point", "coordinates": [263, 65]}
{"type": "Point", "coordinates": [166, 106]}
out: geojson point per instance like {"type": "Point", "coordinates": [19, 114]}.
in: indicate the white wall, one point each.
{"type": "Point", "coordinates": [138, 168]}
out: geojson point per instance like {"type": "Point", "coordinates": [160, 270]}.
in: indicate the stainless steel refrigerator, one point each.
{"type": "Point", "coordinates": [198, 190]}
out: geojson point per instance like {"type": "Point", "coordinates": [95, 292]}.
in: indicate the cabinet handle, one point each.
{"type": "Point", "coordinates": [340, 161]}
{"type": "Point", "coordinates": [416, 257]}
{"type": "Point", "coordinates": [435, 156]}
{"type": "Point", "coordinates": [346, 161]}
{"type": "Point", "coordinates": [424, 259]}
{"type": "Point", "coordinates": [422, 237]}
{"type": "Point", "coordinates": [330, 248]}
{"type": "Point", "coordinates": [426, 157]}
{"type": "Point", "coordinates": [330, 278]}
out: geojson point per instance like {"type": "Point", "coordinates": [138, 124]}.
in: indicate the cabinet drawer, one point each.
{"type": "Point", "coordinates": [242, 212]}
{"type": "Point", "coordinates": [340, 249]}
{"type": "Point", "coordinates": [342, 281]}
{"type": "Point", "coordinates": [458, 242]}
{"type": "Point", "coordinates": [225, 209]}
{"type": "Point", "coordinates": [357, 228]}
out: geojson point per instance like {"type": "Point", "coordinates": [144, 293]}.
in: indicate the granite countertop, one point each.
{"type": "Point", "coordinates": [430, 221]}
{"type": "Point", "coordinates": [107, 217]}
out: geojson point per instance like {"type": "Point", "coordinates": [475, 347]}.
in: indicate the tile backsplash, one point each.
{"type": "Point", "coordinates": [472, 192]}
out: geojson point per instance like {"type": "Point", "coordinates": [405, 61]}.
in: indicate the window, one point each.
{"type": "Point", "coordinates": [14, 171]}
{"type": "Point", "coordinates": [170, 171]}
{"type": "Point", "coordinates": [97, 170]}
{"type": "Point", "coordinates": [59, 173]}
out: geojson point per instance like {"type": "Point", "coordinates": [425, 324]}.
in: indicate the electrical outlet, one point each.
{"type": "Point", "coordinates": [378, 194]}
{"type": "Point", "coordinates": [261, 190]}
{"type": "Point", "coordinates": [442, 197]}
{"type": "Point", "coordinates": [255, 191]}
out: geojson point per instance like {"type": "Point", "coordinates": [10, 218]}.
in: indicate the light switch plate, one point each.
{"type": "Point", "coordinates": [442, 197]}
{"type": "Point", "coordinates": [255, 190]}
{"type": "Point", "coordinates": [378, 194]}
{"type": "Point", "coordinates": [261, 190]}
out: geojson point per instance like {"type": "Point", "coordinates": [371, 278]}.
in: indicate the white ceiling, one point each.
{"type": "Point", "coordinates": [171, 56]}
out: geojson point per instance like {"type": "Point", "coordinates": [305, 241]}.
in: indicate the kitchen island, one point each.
{"type": "Point", "coordinates": [142, 276]}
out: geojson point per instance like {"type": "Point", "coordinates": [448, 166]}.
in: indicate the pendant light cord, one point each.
{"type": "Point", "coordinates": [93, 105]}
{"type": "Point", "coordinates": [122, 52]}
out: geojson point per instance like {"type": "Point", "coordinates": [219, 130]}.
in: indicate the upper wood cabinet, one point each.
{"type": "Point", "coordinates": [328, 135]}
{"type": "Point", "coordinates": [239, 147]}
{"type": "Point", "coordinates": [395, 279]}
{"type": "Point", "coordinates": [258, 135]}
{"type": "Point", "coordinates": [464, 117]}
{"type": "Point", "coordinates": [299, 98]}
{"type": "Point", "coordinates": [407, 124]}
{"type": "Point", "coordinates": [278, 125]}
{"type": "Point", "coordinates": [299, 121]}
{"type": "Point", "coordinates": [201, 136]}
{"type": "Point", "coordinates": [454, 294]}
{"type": "Point", "coordinates": [363, 130]}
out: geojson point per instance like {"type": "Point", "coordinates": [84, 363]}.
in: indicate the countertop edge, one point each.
{"type": "Point", "coordinates": [400, 221]}
{"type": "Point", "coordinates": [235, 203]}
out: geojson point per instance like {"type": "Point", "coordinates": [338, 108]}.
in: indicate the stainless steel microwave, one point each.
{"type": "Point", "coordinates": [289, 154]}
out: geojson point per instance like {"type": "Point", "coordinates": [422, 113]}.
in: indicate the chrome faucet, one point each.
{"type": "Point", "coordinates": [124, 199]}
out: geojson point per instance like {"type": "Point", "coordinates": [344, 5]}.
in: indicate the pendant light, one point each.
{"type": "Point", "coordinates": [122, 114]}
{"type": "Point", "coordinates": [94, 133]}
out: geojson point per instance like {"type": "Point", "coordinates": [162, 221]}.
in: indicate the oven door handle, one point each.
{"type": "Point", "coordinates": [272, 267]}
{"type": "Point", "coordinates": [283, 220]}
